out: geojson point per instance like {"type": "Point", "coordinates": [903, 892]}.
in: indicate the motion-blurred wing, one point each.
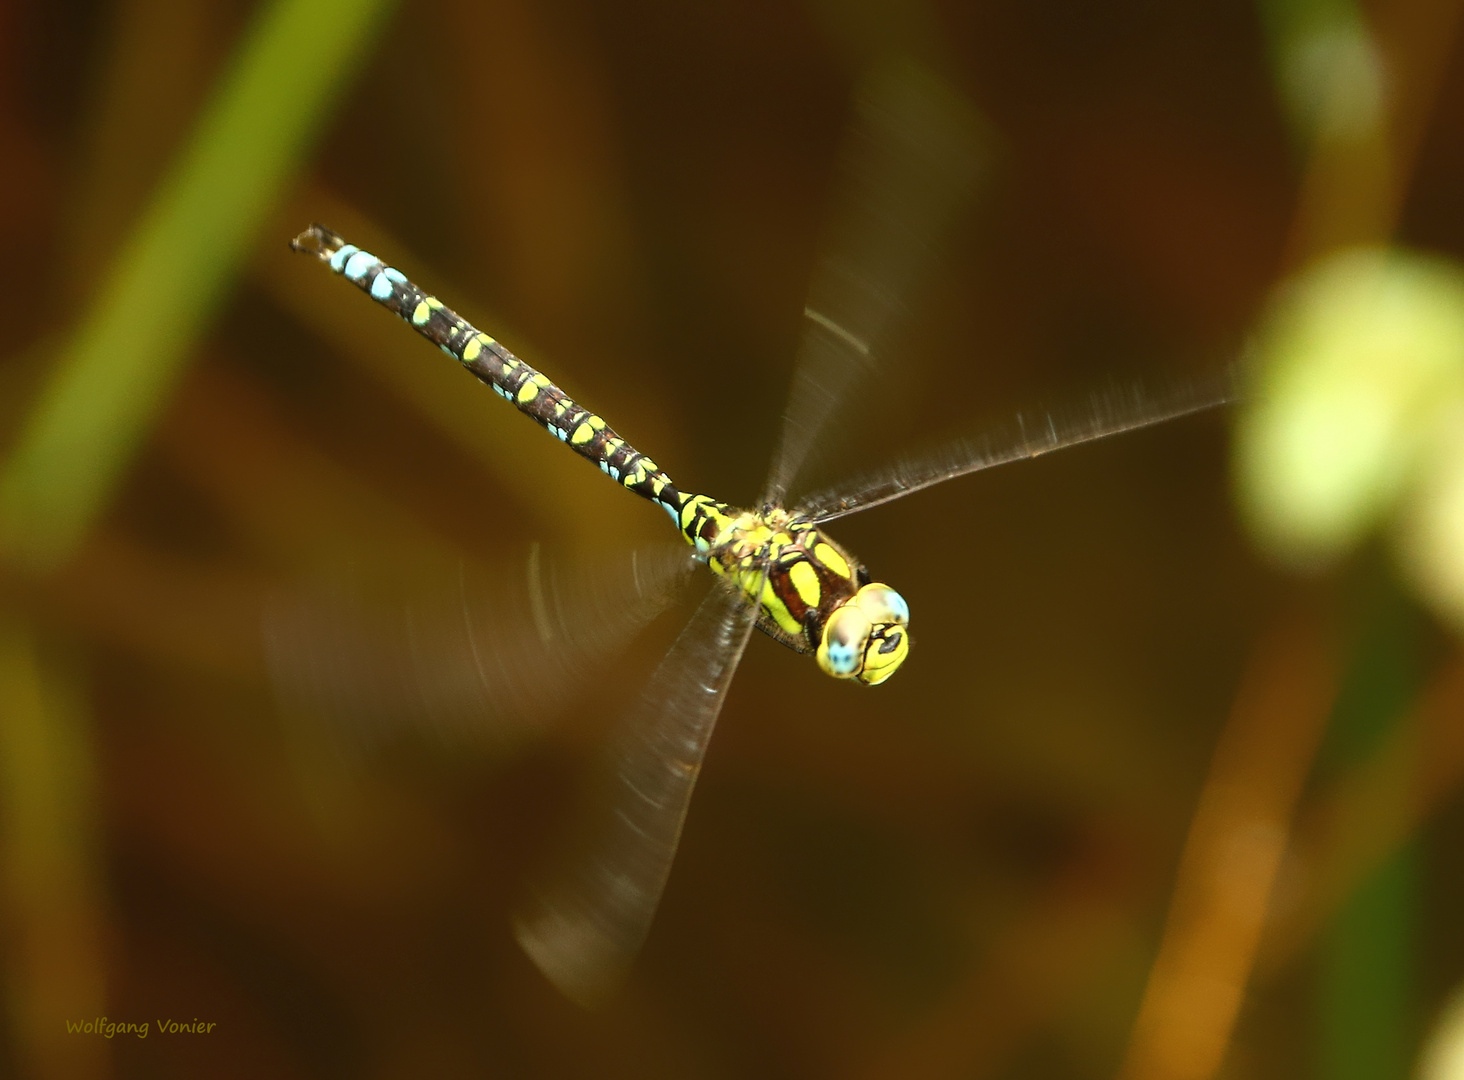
{"type": "Point", "coordinates": [473, 656]}
{"type": "Point", "coordinates": [909, 163]}
{"type": "Point", "coordinates": [1118, 409]}
{"type": "Point", "coordinates": [583, 925]}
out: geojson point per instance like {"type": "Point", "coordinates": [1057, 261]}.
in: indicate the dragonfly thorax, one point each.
{"type": "Point", "coordinates": [813, 595]}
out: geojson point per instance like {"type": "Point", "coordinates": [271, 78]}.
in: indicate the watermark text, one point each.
{"type": "Point", "coordinates": [108, 1028]}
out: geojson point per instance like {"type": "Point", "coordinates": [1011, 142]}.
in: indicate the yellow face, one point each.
{"type": "Point", "coordinates": [868, 637]}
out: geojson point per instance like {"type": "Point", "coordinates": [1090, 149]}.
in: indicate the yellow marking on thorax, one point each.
{"type": "Point", "coordinates": [805, 580]}
{"type": "Point", "coordinates": [774, 606]}
{"type": "Point", "coordinates": [825, 554]}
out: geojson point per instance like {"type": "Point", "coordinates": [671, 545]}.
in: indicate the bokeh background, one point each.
{"type": "Point", "coordinates": [1169, 787]}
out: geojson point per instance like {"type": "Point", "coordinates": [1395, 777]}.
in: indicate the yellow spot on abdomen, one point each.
{"type": "Point", "coordinates": [421, 313]}
{"type": "Point", "coordinates": [586, 430]}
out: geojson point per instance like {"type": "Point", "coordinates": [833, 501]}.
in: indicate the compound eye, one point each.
{"type": "Point", "coordinates": [883, 605]}
{"type": "Point", "coordinates": [845, 639]}
{"type": "Point", "coordinates": [888, 646]}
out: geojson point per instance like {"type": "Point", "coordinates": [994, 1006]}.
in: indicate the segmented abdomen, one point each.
{"type": "Point", "coordinates": [530, 391]}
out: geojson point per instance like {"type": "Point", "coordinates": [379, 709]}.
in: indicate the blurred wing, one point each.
{"type": "Point", "coordinates": [1118, 409]}
{"type": "Point", "coordinates": [470, 656]}
{"type": "Point", "coordinates": [584, 925]}
{"type": "Point", "coordinates": [909, 163]}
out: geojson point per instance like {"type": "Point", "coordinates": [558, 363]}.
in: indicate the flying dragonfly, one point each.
{"type": "Point", "coordinates": [778, 568]}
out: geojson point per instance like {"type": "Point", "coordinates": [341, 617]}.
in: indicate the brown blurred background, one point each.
{"type": "Point", "coordinates": [967, 872]}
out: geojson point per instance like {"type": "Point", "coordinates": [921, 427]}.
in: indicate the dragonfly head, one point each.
{"type": "Point", "coordinates": [867, 637]}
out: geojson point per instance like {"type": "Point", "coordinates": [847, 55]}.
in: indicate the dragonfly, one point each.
{"type": "Point", "coordinates": [778, 568]}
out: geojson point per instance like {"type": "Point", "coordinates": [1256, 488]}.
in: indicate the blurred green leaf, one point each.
{"type": "Point", "coordinates": [1367, 957]}
{"type": "Point", "coordinates": [1354, 371]}
{"type": "Point", "coordinates": [1327, 66]}
{"type": "Point", "coordinates": [1431, 530]}
{"type": "Point", "coordinates": [110, 381]}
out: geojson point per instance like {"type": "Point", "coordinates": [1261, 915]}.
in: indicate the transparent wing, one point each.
{"type": "Point", "coordinates": [584, 925]}
{"type": "Point", "coordinates": [909, 163]}
{"type": "Point", "coordinates": [1108, 412]}
{"type": "Point", "coordinates": [470, 655]}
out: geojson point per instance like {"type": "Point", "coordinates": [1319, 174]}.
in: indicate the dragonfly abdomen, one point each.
{"type": "Point", "coordinates": [529, 391]}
